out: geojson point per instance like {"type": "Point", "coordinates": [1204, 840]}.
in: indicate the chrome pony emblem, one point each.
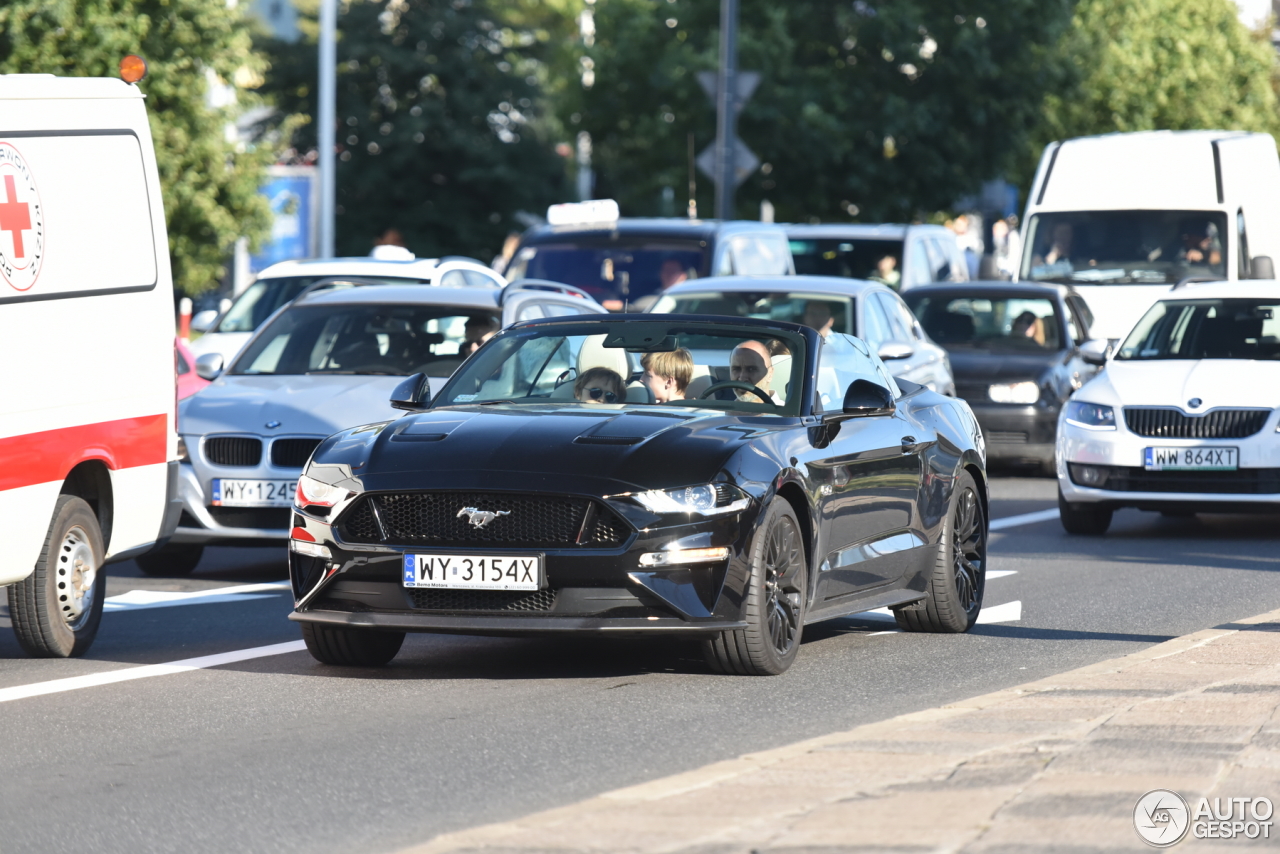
{"type": "Point", "coordinates": [480, 518]}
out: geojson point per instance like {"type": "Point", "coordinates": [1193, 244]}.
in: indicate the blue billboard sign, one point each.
{"type": "Point", "coordinates": [290, 190]}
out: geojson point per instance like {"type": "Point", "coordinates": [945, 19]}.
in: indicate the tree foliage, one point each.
{"type": "Point", "coordinates": [1163, 65]}
{"type": "Point", "coordinates": [437, 107]}
{"type": "Point", "coordinates": [874, 109]}
{"type": "Point", "coordinates": [210, 186]}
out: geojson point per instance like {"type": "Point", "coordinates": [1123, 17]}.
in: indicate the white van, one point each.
{"type": "Point", "coordinates": [1125, 217]}
{"type": "Point", "coordinates": [88, 470]}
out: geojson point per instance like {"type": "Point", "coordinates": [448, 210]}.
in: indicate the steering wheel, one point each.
{"type": "Point", "coordinates": [565, 376]}
{"type": "Point", "coordinates": [714, 387]}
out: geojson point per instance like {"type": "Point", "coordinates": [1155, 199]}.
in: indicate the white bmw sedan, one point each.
{"type": "Point", "coordinates": [1184, 418]}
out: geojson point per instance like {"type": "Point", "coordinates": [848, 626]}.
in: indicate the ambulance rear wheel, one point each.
{"type": "Point", "coordinates": [57, 608]}
{"type": "Point", "coordinates": [172, 560]}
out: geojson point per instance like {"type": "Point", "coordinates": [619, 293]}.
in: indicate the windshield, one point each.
{"type": "Point", "coordinates": [989, 323]}
{"type": "Point", "coordinates": [814, 310]}
{"type": "Point", "coordinates": [879, 260]}
{"type": "Point", "coordinates": [397, 340]}
{"type": "Point", "coordinates": [1206, 329]}
{"type": "Point", "coordinates": [1125, 247]}
{"type": "Point", "coordinates": [614, 271]}
{"type": "Point", "coordinates": [636, 364]}
{"type": "Point", "coordinates": [256, 303]}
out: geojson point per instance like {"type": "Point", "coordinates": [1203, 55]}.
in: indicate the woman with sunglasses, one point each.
{"type": "Point", "coordinates": [600, 385]}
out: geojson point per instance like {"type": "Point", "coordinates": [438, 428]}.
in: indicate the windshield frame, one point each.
{"type": "Point", "coordinates": [656, 328]}
{"type": "Point", "coordinates": [1098, 273]}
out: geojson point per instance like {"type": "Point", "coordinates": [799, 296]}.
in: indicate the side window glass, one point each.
{"type": "Point", "coordinates": [759, 254]}
{"type": "Point", "coordinates": [841, 360]}
{"type": "Point", "coordinates": [921, 270]}
{"type": "Point", "coordinates": [560, 309]}
{"type": "Point", "coordinates": [900, 326]}
{"type": "Point", "coordinates": [875, 324]}
{"type": "Point", "coordinates": [453, 279]}
{"type": "Point", "coordinates": [476, 279]}
{"type": "Point", "coordinates": [1243, 245]}
{"type": "Point", "coordinates": [1074, 326]}
{"type": "Point", "coordinates": [1086, 316]}
{"type": "Point", "coordinates": [724, 264]}
{"type": "Point", "coordinates": [532, 311]}
{"type": "Point", "coordinates": [939, 260]}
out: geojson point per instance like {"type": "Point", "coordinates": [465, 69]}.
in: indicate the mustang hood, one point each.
{"type": "Point", "coordinates": [548, 446]}
{"type": "Point", "coordinates": [317, 405]}
{"type": "Point", "coordinates": [1217, 382]}
{"type": "Point", "coordinates": [998, 366]}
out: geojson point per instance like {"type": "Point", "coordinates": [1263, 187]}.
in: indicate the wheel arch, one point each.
{"type": "Point", "coordinates": [91, 481]}
{"type": "Point", "coordinates": [980, 480]}
{"type": "Point", "coordinates": [793, 494]}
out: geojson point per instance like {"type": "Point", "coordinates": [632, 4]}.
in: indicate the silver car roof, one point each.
{"type": "Point", "coordinates": [835, 285]}
{"type": "Point", "coordinates": [405, 294]}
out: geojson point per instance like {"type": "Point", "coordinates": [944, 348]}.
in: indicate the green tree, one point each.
{"type": "Point", "coordinates": [438, 106]}
{"type": "Point", "coordinates": [874, 109]}
{"type": "Point", "coordinates": [1163, 65]}
{"type": "Point", "coordinates": [210, 185]}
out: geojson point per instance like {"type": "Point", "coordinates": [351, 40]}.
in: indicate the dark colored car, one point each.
{"type": "Point", "coordinates": [1015, 353]}
{"type": "Point", "coordinates": [624, 263]}
{"type": "Point", "coordinates": [538, 494]}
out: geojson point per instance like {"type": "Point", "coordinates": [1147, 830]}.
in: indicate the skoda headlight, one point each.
{"type": "Point", "coordinates": [1023, 392]}
{"type": "Point", "coordinates": [1090, 416]}
{"type": "Point", "coordinates": [710, 499]}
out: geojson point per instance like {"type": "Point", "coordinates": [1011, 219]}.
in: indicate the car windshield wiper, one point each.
{"type": "Point", "coordinates": [358, 373]}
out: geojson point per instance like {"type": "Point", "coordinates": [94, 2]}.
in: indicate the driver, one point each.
{"type": "Point", "coordinates": [751, 363]}
{"type": "Point", "coordinates": [667, 374]}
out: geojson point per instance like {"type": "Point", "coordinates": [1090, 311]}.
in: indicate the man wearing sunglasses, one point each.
{"type": "Point", "coordinates": [600, 385]}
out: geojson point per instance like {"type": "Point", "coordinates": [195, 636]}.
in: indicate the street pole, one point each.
{"type": "Point", "coordinates": [326, 131]}
{"type": "Point", "coordinates": [726, 111]}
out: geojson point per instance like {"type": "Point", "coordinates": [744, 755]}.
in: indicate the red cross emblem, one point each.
{"type": "Point", "coordinates": [21, 221]}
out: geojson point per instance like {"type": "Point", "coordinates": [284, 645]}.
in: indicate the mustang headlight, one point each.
{"type": "Point", "coordinates": [1090, 416]}
{"type": "Point", "coordinates": [312, 491]}
{"type": "Point", "coordinates": [1023, 392]}
{"type": "Point", "coordinates": [709, 499]}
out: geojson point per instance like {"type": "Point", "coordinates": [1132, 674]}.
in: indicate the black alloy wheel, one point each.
{"type": "Point", "coordinates": [775, 603]}
{"type": "Point", "coordinates": [959, 577]}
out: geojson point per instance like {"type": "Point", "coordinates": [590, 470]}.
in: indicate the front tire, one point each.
{"type": "Point", "coordinates": [176, 560]}
{"type": "Point", "coordinates": [1088, 519]}
{"type": "Point", "coordinates": [959, 577]}
{"type": "Point", "coordinates": [775, 602]}
{"type": "Point", "coordinates": [344, 647]}
{"type": "Point", "coordinates": [56, 609]}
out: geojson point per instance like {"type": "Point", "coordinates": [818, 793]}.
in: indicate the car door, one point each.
{"type": "Point", "coordinates": [868, 477]}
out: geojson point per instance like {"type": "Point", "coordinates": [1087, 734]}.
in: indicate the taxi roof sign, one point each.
{"type": "Point", "coordinates": [584, 213]}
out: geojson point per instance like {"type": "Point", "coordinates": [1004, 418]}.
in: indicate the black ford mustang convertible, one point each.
{"type": "Point", "coordinates": [730, 480]}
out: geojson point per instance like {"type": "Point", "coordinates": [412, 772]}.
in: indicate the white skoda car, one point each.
{"type": "Point", "coordinates": [1184, 418]}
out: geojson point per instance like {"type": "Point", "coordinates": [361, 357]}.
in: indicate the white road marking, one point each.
{"type": "Point", "coordinates": [1000, 573]}
{"type": "Point", "coordinates": [137, 599]}
{"type": "Point", "coordinates": [1024, 519]}
{"type": "Point", "coordinates": [93, 680]}
{"type": "Point", "coordinates": [1010, 612]}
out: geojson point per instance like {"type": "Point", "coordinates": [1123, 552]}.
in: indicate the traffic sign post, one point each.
{"type": "Point", "coordinates": [728, 161]}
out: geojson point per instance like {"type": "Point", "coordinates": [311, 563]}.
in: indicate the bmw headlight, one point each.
{"type": "Point", "coordinates": [1023, 392]}
{"type": "Point", "coordinates": [710, 499]}
{"type": "Point", "coordinates": [1090, 416]}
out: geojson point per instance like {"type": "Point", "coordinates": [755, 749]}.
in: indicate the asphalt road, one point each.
{"type": "Point", "coordinates": [279, 753]}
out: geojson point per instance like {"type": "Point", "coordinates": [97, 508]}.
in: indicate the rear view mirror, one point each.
{"type": "Point", "coordinates": [413, 394]}
{"type": "Point", "coordinates": [209, 366]}
{"type": "Point", "coordinates": [891, 350]}
{"type": "Point", "coordinates": [863, 399]}
{"type": "Point", "coordinates": [1095, 351]}
{"type": "Point", "coordinates": [1261, 267]}
{"type": "Point", "coordinates": [203, 320]}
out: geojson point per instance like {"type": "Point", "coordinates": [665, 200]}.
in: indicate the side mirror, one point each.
{"type": "Point", "coordinates": [1095, 351]}
{"type": "Point", "coordinates": [413, 394]}
{"type": "Point", "coordinates": [1261, 267]}
{"type": "Point", "coordinates": [209, 366]}
{"type": "Point", "coordinates": [864, 398]}
{"type": "Point", "coordinates": [203, 321]}
{"type": "Point", "coordinates": [891, 350]}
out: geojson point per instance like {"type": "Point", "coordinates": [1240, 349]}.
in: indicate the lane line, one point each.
{"type": "Point", "coordinates": [1000, 573]}
{"type": "Point", "coordinates": [93, 680]}
{"type": "Point", "coordinates": [138, 599]}
{"type": "Point", "coordinates": [1024, 519]}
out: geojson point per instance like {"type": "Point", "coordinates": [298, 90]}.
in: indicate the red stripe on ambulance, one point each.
{"type": "Point", "coordinates": [50, 455]}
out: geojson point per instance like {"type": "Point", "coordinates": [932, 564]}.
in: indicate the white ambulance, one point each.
{"type": "Point", "coordinates": [87, 394]}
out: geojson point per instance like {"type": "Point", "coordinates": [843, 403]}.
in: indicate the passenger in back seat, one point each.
{"type": "Point", "coordinates": [667, 374]}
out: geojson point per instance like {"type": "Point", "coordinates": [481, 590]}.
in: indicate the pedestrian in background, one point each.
{"type": "Point", "coordinates": [1007, 246]}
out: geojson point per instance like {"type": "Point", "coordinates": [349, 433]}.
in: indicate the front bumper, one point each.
{"type": "Point", "coordinates": [1016, 433]}
{"type": "Point", "coordinates": [201, 523]}
{"type": "Point", "coordinates": [1117, 456]}
{"type": "Point", "coordinates": [591, 590]}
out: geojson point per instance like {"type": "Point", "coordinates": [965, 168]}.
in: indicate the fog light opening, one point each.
{"type": "Point", "coordinates": [310, 549]}
{"type": "Point", "coordinates": [677, 557]}
{"type": "Point", "coordinates": [1090, 475]}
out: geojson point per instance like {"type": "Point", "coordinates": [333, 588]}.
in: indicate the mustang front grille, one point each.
{"type": "Point", "coordinates": [292, 453]}
{"type": "Point", "coordinates": [482, 600]}
{"type": "Point", "coordinates": [1174, 424]}
{"type": "Point", "coordinates": [441, 519]}
{"type": "Point", "coordinates": [233, 450]}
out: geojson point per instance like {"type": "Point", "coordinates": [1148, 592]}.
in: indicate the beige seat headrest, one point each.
{"type": "Point", "coordinates": [594, 355]}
